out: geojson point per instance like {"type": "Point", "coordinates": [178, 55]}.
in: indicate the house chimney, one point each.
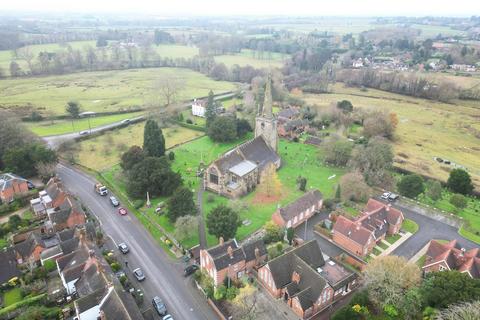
{"type": "Point", "coordinates": [230, 252]}
{"type": "Point", "coordinates": [296, 277]}
{"type": "Point", "coordinates": [221, 241]}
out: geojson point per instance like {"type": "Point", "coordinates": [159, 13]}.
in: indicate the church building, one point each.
{"type": "Point", "coordinates": [239, 171]}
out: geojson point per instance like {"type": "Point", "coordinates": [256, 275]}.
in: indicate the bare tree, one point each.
{"type": "Point", "coordinates": [168, 89]}
{"type": "Point", "coordinates": [388, 278]}
{"type": "Point", "coordinates": [185, 227]}
{"type": "Point", "coordinates": [46, 170]}
{"type": "Point", "coordinates": [25, 53]}
{"type": "Point", "coordinates": [246, 305]}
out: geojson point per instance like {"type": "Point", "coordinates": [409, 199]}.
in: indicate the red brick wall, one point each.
{"type": "Point", "coordinates": [348, 243]}
{"type": "Point", "coordinates": [265, 277]}
{"type": "Point", "coordinates": [18, 187]}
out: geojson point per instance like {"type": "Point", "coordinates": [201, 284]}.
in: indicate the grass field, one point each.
{"type": "Point", "coordinates": [56, 127]}
{"type": "Point", "coordinates": [426, 129]}
{"type": "Point", "coordinates": [101, 91]}
{"type": "Point", "coordinates": [7, 56]}
{"type": "Point", "coordinates": [410, 226]}
{"type": "Point", "coordinates": [176, 51]}
{"type": "Point", "coordinates": [252, 58]}
{"type": "Point", "coordinates": [103, 152]}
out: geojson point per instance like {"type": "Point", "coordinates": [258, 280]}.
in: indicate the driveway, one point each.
{"type": "Point", "coordinates": [428, 229]}
{"type": "Point", "coordinates": [163, 275]}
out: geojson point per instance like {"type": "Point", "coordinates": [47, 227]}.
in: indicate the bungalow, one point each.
{"type": "Point", "coordinates": [449, 256]}
{"type": "Point", "coordinates": [361, 235]}
{"type": "Point", "coordinates": [10, 186]}
{"type": "Point", "coordinates": [230, 259]}
{"type": "Point", "coordinates": [305, 280]}
{"type": "Point", "coordinates": [8, 266]}
{"type": "Point", "coordinates": [298, 211]}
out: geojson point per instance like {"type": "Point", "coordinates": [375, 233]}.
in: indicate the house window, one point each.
{"type": "Point", "coordinates": [234, 179]}
{"type": "Point", "coordinates": [213, 178]}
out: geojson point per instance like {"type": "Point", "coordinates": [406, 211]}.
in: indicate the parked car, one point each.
{"type": "Point", "coordinates": [393, 197]}
{"type": "Point", "coordinates": [30, 185]}
{"type": "Point", "coordinates": [168, 317]}
{"type": "Point", "coordinates": [114, 201]}
{"type": "Point", "coordinates": [123, 248]}
{"type": "Point", "coordinates": [84, 132]}
{"type": "Point", "coordinates": [385, 195]}
{"type": "Point", "coordinates": [159, 306]}
{"type": "Point", "coordinates": [122, 211]}
{"type": "Point", "coordinates": [139, 274]}
{"type": "Point", "coordinates": [190, 270]}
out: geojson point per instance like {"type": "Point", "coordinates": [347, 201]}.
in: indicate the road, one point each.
{"type": "Point", "coordinates": [164, 276]}
{"type": "Point", "coordinates": [55, 141]}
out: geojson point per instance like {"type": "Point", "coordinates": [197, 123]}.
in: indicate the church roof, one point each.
{"type": "Point", "coordinates": [243, 168]}
{"type": "Point", "coordinates": [259, 152]}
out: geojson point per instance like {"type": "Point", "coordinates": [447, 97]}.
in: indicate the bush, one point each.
{"type": "Point", "coordinates": [50, 265]}
{"type": "Point", "coordinates": [459, 201]}
{"type": "Point", "coordinates": [411, 185]}
{"type": "Point", "coordinates": [171, 156]}
{"type": "Point", "coordinates": [189, 121]}
{"type": "Point", "coordinates": [137, 204]}
{"type": "Point", "coordinates": [231, 293]}
{"type": "Point", "coordinates": [459, 181]}
{"type": "Point", "coordinates": [115, 266]}
{"type": "Point", "coordinates": [434, 190]}
{"type": "Point", "coordinates": [220, 292]}
{"type": "Point", "coordinates": [329, 204]}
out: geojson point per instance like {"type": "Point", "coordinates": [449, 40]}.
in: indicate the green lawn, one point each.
{"type": "Point", "coordinates": [56, 127]}
{"type": "Point", "coordinates": [393, 238]}
{"type": "Point", "coordinates": [421, 262]}
{"type": "Point", "coordinates": [382, 245]}
{"type": "Point", "coordinates": [3, 243]}
{"type": "Point", "coordinates": [376, 252]}
{"type": "Point", "coordinates": [102, 90]}
{"type": "Point", "coordinates": [12, 296]}
{"type": "Point", "coordinates": [176, 51]}
{"type": "Point", "coordinates": [410, 226]}
{"type": "Point", "coordinates": [103, 152]}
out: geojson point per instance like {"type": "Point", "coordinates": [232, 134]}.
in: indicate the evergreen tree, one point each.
{"type": "Point", "coordinates": [460, 181]}
{"type": "Point", "coordinates": [153, 140]}
{"type": "Point", "coordinates": [223, 222]}
{"type": "Point", "coordinates": [210, 110]}
{"type": "Point", "coordinates": [411, 185]}
{"type": "Point", "coordinates": [338, 193]}
{"type": "Point", "coordinates": [181, 204]}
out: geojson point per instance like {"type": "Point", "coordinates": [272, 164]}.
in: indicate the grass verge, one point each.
{"type": "Point", "coordinates": [410, 226]}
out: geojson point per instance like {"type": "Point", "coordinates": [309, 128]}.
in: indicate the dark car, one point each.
{"type": "Point", "coordinates": [123, 248]}
{"type": "Point", "coordinates": [139, 274]}
{"type": "Point", "coordinates": [159, 306]}
{"type": "Point", "coordinates": [30, 185]}
{"type": "Point", "coordinates": [114, 201]}
{"type": "Point", "coordinates": [190, 270]}
{"type": "Point", "coordinates": [393, 197]}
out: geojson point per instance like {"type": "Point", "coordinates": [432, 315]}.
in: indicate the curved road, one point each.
{"type": "Point", "coordinates": [55, 141]}
{"type": "Point", "coordinates": [163, 275]}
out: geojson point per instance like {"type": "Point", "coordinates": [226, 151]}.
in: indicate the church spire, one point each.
{"type": "Point", "coordinates": [267, 103]}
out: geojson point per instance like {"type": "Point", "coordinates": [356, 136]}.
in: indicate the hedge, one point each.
{"type": "Point", "coordinates": [23, 303]}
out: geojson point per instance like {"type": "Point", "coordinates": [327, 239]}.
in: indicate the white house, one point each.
{"type": "Point", "coordinates": [198, 108]}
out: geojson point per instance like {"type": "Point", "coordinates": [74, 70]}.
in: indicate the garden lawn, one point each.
{"type": "Point", "coordinates": [57, 127]}
{"type": "Point", "coordinates": [410, 226]}
{"type": "Point", "coordinates": [12, 296]}
{"type": "Point", "coordinates": [102, 90]}
{"type": "Point", "coordinates": [393, 238]}
{"type": "Point", "coordinates": [103, 152]}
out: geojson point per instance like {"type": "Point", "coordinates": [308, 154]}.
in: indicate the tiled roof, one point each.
{"type": "Point", "coordinates": [90, 281]}
{"type": "Point", "coordinates": [222, 259]}
{"type": "Point", "coordinates": [120, 305]}
{"type": "Point", "coordinates": [66, 234]}
{"type": "Point", "coordinates": [354, 231]}
{"type": "Point", "coordinates": [90, 301]}
{"type": "Point", "coordinates": [258, 152]}
{"type": "Point", "coordinates": [306, 201]}
{"type": "Point", "coordinates": [250, 248]}
{"type": "Point", "coordinates": [456, 258]}
{"type": "Point", "coordinates": [70, 245]}
{"type": "Point", "coordinates": [8, 265]}
{"type": "Point", "coordinates": [74, 258]}
{"type": "Point", "coordinates": [288, 113]}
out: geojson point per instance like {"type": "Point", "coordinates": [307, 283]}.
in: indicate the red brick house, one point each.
{"type": "Point", "coordinates": [297, 212]}
{"type": "Point", "coordinates": [68, 215]}
{"type": "Point", "coordinates": [10, 186]}
{"type": "Point", "coordinates": [305, 281]}
{"type": "Point", "coordinates": [359, 236]}
{"type": "Point", "coordinates": [230, 259]}
{"type": "Point", "coordinates": [449, 256]}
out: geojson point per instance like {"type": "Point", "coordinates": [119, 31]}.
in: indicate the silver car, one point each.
{"type": "Point", "coordinates": [139, 274]}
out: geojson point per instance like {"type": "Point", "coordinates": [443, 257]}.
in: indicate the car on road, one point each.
{"type": "Point", "coordinates": [190, 270]}
{"type": "Point", "coordinates": [385, 195]}
{"type": "Point", "coordinates": [122, 211]}
{"type": "Point", "coordinates": [84, 132]}
{"type": "Point", "coordinates": [138, 273]}
{"type": "Point", "coordinates": [393, 197]}
{"type": "Point", "coordinates": [159, 306]}
{"type": "Point", "coordinates": [168, 317]}
{"type": "Point", "coordinates": [114, 201]}
{"type": "Point", "coordinates": [123, 248]}
{"type": "Point", "coordinates": [125, 121]}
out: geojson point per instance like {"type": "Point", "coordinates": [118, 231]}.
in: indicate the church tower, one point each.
{"type": "Point", "coordinates": [265, 123]}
